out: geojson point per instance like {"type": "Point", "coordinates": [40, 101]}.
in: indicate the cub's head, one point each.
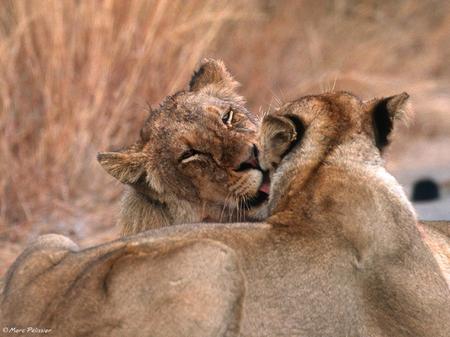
{"type": "Point", "coordinates": [197, 146]}
{"type": "Point", "coordinates": [301, 136]}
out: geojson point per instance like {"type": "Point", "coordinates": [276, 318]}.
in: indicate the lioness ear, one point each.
{"type": "Point", "coordinates": [278, 134]}
{"type": "Point", "coordinates": [212, 72]}
{"type": "Point", "coordinates": [384, 111]}
{"type": "Point", "coordinates": [280, 131]}
{"type": "Point", "coordinates": [125, 166]}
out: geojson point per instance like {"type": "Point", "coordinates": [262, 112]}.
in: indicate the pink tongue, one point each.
{"type": "Point", "coordinates": [265, 187]}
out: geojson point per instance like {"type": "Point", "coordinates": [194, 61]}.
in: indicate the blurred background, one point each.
{"type": "Point", "coordinates": [76, 77]}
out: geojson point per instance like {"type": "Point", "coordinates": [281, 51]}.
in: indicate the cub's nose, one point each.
{"type": "Point", "coordinates": [251, 162]}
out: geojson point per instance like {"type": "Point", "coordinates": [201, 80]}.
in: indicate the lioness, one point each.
{"type": "Point", "coordinates": [340, 254]}
{"type": "Point", "coordinates": [195, 160]}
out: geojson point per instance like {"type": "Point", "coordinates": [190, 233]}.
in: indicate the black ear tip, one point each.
{"type": "Point", "coordinates": [211, 71]}
{"type": "Point", "coordinates": [395, 101]}
{"type": "Point", "coordinates": [197, 73]}
{"type": "Point", "coordinates": [102, 156]}
{"type": "Point", "coordinates": [207, 64]}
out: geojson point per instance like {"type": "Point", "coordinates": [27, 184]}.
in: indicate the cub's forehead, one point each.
{"type": "Point", "coordinates": [185, 111]}
{"type": "Point", "coordinates": [187, 106]}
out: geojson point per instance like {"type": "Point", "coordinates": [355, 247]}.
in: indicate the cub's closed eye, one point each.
{"type": "Point", "coordinates": [188, 156]}
{"type": "Point", "coordinates": [227, 118]}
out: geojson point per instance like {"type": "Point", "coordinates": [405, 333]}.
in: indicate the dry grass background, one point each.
{"type": "Point", "coordinates": [75, 77]}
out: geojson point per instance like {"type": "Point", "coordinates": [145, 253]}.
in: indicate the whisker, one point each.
{"type": "Point", "coordinates": [224, 206]}
{"type": "Point", "coordinates": [334, 82]}
{"type": "Point", "coordinates": [241, 210]}
{"type": "Point", "coordinates": [242, 207]}
{"type": "Point", "coordinates": [238, 210]}
{"type": "Point", "coordinates": [236, 202]}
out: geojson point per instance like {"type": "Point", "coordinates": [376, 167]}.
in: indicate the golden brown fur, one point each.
{"type": "Point", "coordinates": [340, 254]}
{"type": "Point", "coordinates": [158, 288]}
{"type": "Point", "coordinates": [436, 235]}
{"type": "Point", "coordinates": [193, 160]}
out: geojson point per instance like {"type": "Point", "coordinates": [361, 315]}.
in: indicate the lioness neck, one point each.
{"type": "Point", "coordinates": [329, 183]}
{"type": "Point", "coordinates": [362, 204]}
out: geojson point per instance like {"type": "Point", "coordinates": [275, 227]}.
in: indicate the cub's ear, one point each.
{"type": "Point", "coordinates": [278, 135]}
{"type": "Point", "coordinates": [126, 166]}
{"type": "Point", "coordinates": [212, 72]}
{"type": "Point", "coordinates": [384, 112]}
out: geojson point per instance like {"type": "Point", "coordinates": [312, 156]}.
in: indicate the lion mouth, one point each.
{"type": "Point", "coordinates": [263, 192]}
{"type": "Point", "coordinates": [257, 200]}
{"type": "Point", "coordinates": [265, 185]}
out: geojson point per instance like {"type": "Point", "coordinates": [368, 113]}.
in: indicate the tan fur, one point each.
{"type": "Point", "coordinates": [159, 288]}
{"type": "Point", "coordinates": [436, 235]}
{"type": "Point", "coordinates": [165, 188]}
{"type": "Point", "coordinates": [340, 254]}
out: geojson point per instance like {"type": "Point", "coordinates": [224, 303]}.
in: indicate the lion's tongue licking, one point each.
{"type": "Point", "coordinates": [265, 187]}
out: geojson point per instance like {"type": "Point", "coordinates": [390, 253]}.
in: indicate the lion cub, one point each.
{"type": "Point", "coordinates": [195, 159]}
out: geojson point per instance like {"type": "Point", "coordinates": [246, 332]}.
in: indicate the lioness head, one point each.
{"type": "Point", "coordinates": [196, 147]}
{"type": "Point", "coordinates": [321, 129]}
